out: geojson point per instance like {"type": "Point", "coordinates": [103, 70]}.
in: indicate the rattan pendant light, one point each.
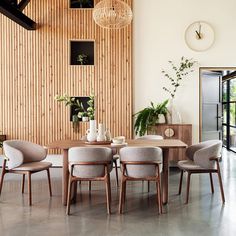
{"type": "Point", "coordinates": [112, 14]}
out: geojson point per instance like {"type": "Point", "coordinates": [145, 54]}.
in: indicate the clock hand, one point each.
{"type": "Point", "coordinates": [198, 34]}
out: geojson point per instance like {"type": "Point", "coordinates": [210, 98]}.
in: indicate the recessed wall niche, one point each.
{"type": "Point", "coordinates": [84, 101]}
{"type": "Point", "coordinates": [81, 3]}
{"type": "Point", "coordinates": [81, 52]}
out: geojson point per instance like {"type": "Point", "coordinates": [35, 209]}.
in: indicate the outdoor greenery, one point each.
{"type": "Point", "coordinates": [179, 72]}
{"type": "Point", "coordinates": [149, 116]}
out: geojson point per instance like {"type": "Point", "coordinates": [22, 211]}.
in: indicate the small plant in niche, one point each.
{"type": "Point", "coordinates": [179, 73]}
{"type": "Point", "coordinates": [82, 59]}
{"type": "Point", "coordinates": [82, 3]}
{"type": "Point", "coordinates": [91, 108]}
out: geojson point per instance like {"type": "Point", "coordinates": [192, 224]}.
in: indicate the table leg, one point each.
{"type": "Point", "coordinates": [165, 176]}
{"type": "Point", "coordinates": [65, 177]}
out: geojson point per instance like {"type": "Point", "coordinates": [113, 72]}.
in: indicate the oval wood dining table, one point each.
{"type": "Point", "coordinates": [164, 144]}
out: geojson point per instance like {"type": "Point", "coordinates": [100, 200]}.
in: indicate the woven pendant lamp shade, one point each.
{"type": "Point", "coordinates": [112, 14]}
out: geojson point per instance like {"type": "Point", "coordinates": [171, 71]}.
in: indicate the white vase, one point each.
{"type": "Point", "coordinates": [85, 119]}
{"type": "Point", "coordinates": [174, 116]}
{"type": "Point", "coordinates": [101, 133]}
{"type": "Point", "coordinates": [92, 131]}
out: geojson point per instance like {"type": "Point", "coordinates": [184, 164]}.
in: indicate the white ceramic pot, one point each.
{"type": "Point", "coordinates": [101, 133]}
{"type": "Point", "coordinates": [161, 119]}
{"type": "Point", "coordinates": [85, 119]}
{"type": "Point", "coordinates": [92, 131]}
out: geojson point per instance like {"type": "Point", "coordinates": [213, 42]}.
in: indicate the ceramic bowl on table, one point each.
{"type": "Point", "coordinates": [118, 140]}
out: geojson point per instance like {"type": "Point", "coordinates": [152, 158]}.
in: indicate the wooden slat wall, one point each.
{"type": "Point", "coordinates": [34, 67]}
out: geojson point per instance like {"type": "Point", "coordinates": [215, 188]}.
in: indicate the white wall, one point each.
{"type": "Point", "coordinates": [159, 27]}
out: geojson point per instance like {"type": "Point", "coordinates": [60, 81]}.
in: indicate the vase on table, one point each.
{"type": "Point", "coordinates": [92, 131]}
{"type": "Point", "coordinates": [173, 116]}
{"type": "Point", "coordinates": [101, 133]}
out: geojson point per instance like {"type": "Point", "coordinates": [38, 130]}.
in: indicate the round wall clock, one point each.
{"type": "Point", "coordinates": [199, 36]}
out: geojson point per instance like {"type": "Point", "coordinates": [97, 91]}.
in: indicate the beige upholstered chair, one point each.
{"type": "Point", "coordinates": [23, 157]}
{"type": "Point", "coordinates": [202, 158]}
{"type": "Point", "coordinates": [90, 164]}
{"type": "Point", "coordinates": [150, 137]}
{"type": "Point", "coordinates": [140, 163]}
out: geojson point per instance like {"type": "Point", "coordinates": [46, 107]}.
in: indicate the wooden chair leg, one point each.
{"type": "Point", "coordinates": [69, 196]}
{"type": "Point", "coordinates": [117, 177]}
{"type": "Point", "coordinates": [188, 187]}
{"type": "Point", "coordinates": [49, 182]}
{"type": "Point", "coordinates": [221, 185]}
{"type": "Point", "coordinates": [29, 188]}
{"type": "Point", "coordinates": [124, 193]}
{"type": "Point", "coordinates": [2, 175]}
{"type": "Point", "coordinates": [108, 194]}
{"type": "Point", "coordinates": [180, 182]}
{"type": "Point", "coordinates": [212, 184]}
{"type": "Point", "coordinates": [148, 186]}
{"type": "Point", "coordinates": [23, 184]}
{"type": "Point", "coordinates": [89, 186]}
{"type": "Point", "coordinates": [159, 198]}
{"type": "Point", "coordinates": [121, 197]}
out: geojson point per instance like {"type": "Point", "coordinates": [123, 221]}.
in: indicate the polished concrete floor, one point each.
{"type": "Point", "coordinates": [204, 215]}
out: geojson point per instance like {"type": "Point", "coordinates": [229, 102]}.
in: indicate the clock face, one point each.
{"type": "Point", "coordinates": [199, 36]}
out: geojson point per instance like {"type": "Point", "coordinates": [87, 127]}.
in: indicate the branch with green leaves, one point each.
{"type": "Point", "coordinates": [180, 72]}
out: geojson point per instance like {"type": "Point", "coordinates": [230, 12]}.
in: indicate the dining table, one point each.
{"type": "Point", "coordinates": [165, 145]}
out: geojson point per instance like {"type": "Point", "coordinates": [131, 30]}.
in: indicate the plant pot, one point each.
{"type": "Point", "coordinates": [161, 119]}
{"type": "Point", "coordinates": [85, 119]}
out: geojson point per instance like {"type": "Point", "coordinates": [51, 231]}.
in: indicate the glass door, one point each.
{"type": "Point", "coordinates": [229, 113]}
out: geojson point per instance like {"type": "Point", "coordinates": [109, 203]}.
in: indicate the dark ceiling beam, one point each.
{"type": "Point", "coordinates": [16, 15]}
{"type": "Point", "coordinates": [22, 5]}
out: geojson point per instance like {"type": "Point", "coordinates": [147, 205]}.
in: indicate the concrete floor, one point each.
{"type": "Point", "coordinates": [204, 215]}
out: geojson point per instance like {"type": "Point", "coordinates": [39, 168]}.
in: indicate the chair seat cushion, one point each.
{"type": "Point", "coordinates": [34, 166]}
{"type": "Point", "coordinates": [189, 165]}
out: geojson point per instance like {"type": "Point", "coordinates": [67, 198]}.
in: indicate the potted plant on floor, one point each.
{"type": "Point", "coordinates": [150, 116]}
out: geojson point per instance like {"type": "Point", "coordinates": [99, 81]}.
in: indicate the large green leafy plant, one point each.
{"type": "Point", "coordinates": [149, 116]}
{"type": "Point", "coordinates": [179, 72]}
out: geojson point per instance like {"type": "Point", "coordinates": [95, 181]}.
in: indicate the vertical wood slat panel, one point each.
{"type": "Point", "coordinates": [35, 67]}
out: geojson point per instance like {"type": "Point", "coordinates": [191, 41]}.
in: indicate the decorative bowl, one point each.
{"type": "Point", "coordinates": [118, 140]}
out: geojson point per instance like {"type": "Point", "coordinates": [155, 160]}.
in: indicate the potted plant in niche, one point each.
{"type": "Point", "coordinates": [150, 116]}
{"type": "Point", "coordinates": [82, 59]}
{"type": "Point", "coordinates": [71, 101]}
{"type": "Point", "coordinates": [81, 3]}
{"type": "Point", "coordinates": [179, 72]}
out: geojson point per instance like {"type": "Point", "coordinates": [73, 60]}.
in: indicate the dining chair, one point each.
{"type": "Point", "coordinates": [202, 158]}
{"type": "Point", "coordinates": [23, 157]}
{"type": "Point", "coordinates": [150, 137]}
{"type": "Point", "coordinates": [140, 163]}
{"type": "Point", "coordinates": [90, 164]}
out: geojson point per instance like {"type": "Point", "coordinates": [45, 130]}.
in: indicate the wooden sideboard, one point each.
{"type": "Point", "coordinates": [181, 131]}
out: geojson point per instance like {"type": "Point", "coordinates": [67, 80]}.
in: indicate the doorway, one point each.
{"type": "Point", "coordinates": [218, 105]}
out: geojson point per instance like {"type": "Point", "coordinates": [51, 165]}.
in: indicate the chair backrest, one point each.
{"type": "Point", "coordinates": [90, 154]}
{"type": "Point", "coordinates": [139, 154]}
{"type": "Point", "coordinates": [150, 137]}
{"type": "Point", "coordinates": [200, 153]}
{"type": "Point", "coordinates": [19, 152]}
